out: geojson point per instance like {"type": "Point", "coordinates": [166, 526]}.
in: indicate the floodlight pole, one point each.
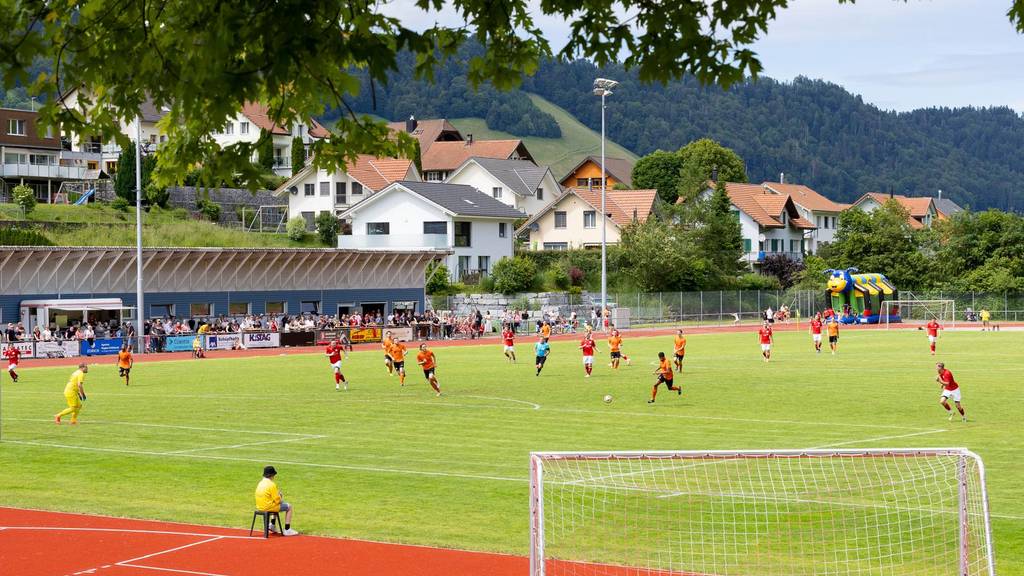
{"type": "Point", "coordinates": [138, 237]}
{"type": "Point", "coordinates": [602, 88]}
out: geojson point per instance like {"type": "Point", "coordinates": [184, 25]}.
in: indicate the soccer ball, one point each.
{"type": "Point", "coordinates": [607, 398]}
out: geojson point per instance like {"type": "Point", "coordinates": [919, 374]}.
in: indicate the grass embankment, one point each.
{"type": "Point", "coordinates": [106, 226]}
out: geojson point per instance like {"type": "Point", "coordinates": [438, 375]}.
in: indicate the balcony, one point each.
{"type": "Point", "coordinates": [758, 257]}
{"type": "Point", "coordinates": [48, 171]}
{"type": "Point", "coordinates": [394, 242]}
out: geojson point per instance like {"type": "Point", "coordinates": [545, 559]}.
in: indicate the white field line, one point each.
{"type": "Point", "coordinates": [246, 444]}
{"type": "Point", "coordinates": [878, 439]}
{"type": "Point", "coordinates": [169, 550]}
{"type": "Point", "coordinates": [129, 531]}
{"type": "Point", "coordinates": [174, 426]}
{"type": "Point", "coordinates": [290, 463]}
{"type": "Point", "coordinates": [175, 570]}
{"type": "Point", "coordinates": [532, 404]}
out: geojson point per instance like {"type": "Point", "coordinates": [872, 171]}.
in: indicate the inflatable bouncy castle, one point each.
{"type": "Point", "coordinates": [861, 298]}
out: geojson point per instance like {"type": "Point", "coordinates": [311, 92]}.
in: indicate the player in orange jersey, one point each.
{"type": "Point", "coordinates": [679, 349]}
{"type": "Point", "coordinates": [615, 345]}
{"type": "Point", "coordinates": [334, 352]}
{"type": "Point", "coordinates": [398, 358]}
{"type": "Point", "coordinates": [428, 362]}
{"type": "Point", "coordinates": [665, 377]}
{"type": "Point", "coordinates": [833, 334]}
{"type": "Point", "coordinates": [124, 363]}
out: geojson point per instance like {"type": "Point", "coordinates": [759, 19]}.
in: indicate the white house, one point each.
{"type": "Point", "coordinates": [519, 183]}
{"type": "Point", "coordinates": [921, 210]}
{"type": "Point", "coordinates": [570, 220]}
{"type": "Point", "coordinates": [104, 155]}
{"type": "Point", "coordinates": [254, 118]}
{"type": "Point", "coordinates": [407, 215]}
{"type": "Point", "coordinates": [770, 223]}
{"type": "Point", "coordinates": [824, 213]}
{"type": "Point", "coordinates": [312, 191]}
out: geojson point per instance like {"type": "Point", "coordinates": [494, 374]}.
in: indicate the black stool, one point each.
{"type": "Point", "coordinates": [266, 521]}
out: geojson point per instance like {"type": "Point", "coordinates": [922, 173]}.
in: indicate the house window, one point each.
{"type": "Point", "coordinates": [378, 228]}
{"type": "Point", "coordinates": [434, 176]}
{"type": "Point", "coordinates": [483, 264]}
{"type": "Point", "coordinates": [589, 219]}
{"type": "Point", "coordinates": [243, 127]}
{"type": "Point", "coordinates": [92, 165]}
{"type": "Point", "coordinates": [310, 218]}
{"type": "Point", "coordinates": [111, 166]}
{"type": "Point", "coordinates": [463, 266]}
{"type": "Point", "coordinates": [200, 309]}
{"type": "Point", "coordinates": [16, 127]}
{"type": "Point", "coordinates": [152, 138]}
{"type": "Point", "coordinates": [229, 128]}
{"type": "Point", "coordinates": [163, 138]}
{"type": "Point", "coordinates": [325, 188]}
{"type": "Point", "coordinates": [275, 308]}
{"type": "Point", "coordinates": [560, 219]}
{"type": "Point", "coordinates": [775, 245]}
{"type": "Point", "coordinates": [746, 245]}
{"type": "Point", "coordinates": [556, 245]}
{"type": "Point", "coordinates": [540, 193]}
{"type": "Point", "coordinates": [309, 307]}
{"type": "Point", "coordinates": [595, 182]}
{"type": "Point", "coordinates": [41, 159]}
{"type": "Point", "coordinates": [462, 234]}
{"type": "Point", "coordinates": [161, 310]}
{"type": "Point", "coordinates": [793, 245]}
{"type": "Point", "coordinates": [582, 182]}
{"type": "Point", "coordinates": [309, 189]}
{"type": "Point", "coordinates": [340, 191]}
{"type": "Point", "coordinates": [819, 222]}
{"type": "Point", "coordinates": [239, 308]}
{"type": "Point", "coordinates": [357, 189]}
{"type": "Point", "coordinates": [14, 158]}
{"type": "Point", "coordinates": [496, 191]}
{"type": "Point", "coordinates": [435, 228]}
{"type": "Point", "coordinates": [501, 229]}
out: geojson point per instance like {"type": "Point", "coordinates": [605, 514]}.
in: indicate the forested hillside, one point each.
{"type": "Point", "coordinates": [815, 132]}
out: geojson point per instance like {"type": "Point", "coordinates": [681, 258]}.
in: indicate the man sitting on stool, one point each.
{"type": "Point", "coordinates": [268, 499]}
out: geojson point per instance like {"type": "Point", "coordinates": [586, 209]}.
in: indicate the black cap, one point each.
{"type": "Point", "coordinates": [269, 471]}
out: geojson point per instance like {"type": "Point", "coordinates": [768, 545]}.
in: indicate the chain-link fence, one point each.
{"type": "Point", "coordinates": [717, 308]}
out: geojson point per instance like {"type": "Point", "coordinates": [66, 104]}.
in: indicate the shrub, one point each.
{"type": "Point", "coordinates": [327, 228]}
{"type": "Point", "coordinates": [438, 279]}
{"type": "Point", "coordinates": [16, 237]}
{"type": "Point", "coordinates": [209, 209]}
{"type": "Point", "coordinates": [296, 228]}
{"type": "Point", "coordinates": [486, 284]}
{"type": "Point", "coordinates": [298, 155]}
{"type": "Point", "coordinates": [754, 281]}
{"type": "Point", "coordinates": [25, 197]}
{"type": "Point", "coordinates": [245, 214]}
{"type": "Point", "coordinates": [513, 275]}
{"type": "Point", "coordinates": [556, 278]}
{"type": "Point", "coordinates": [120, 203]}
{"type": "Point", "coordinates": [576, 276]}
{"type": "Point", "coordinates": [157, 195]}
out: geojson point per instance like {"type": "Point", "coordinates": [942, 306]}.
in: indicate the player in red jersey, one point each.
{"type": "Point", "coordinates": [588, 346]}
{"type": "Point", "coordinates": [765, 335]}
{"type": "Point", "coordinates": [509, 338]}
{"type": "Point", "coordinates": [334, 352]}
{"type": "Point", "coordinates": [950, 389]}
{"type": "Point", "coordinates": [933, 328]}
{"type": "Point", "coordinates": [816, 332]}
{"type": "Point", "coordinates": [13, 355]}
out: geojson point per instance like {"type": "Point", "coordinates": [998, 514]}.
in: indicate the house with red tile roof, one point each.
{"type": "Point", "coordinates": [770, 223]}
{"type": "Point", "coordinates": [254, 118]}
{"type": "Point", "coordinates": [312, 191]}
{"type": "Point", "coordinates": [428, 131]}
{"type": "Point", "coordinates": [815, 207]}
{"type": "Point", "coordinates": [443, 158]}
{"type": "Point", "coordinates": [921, 209]}
{"type": "Point", "coordinates": [571, 220]}
{"type": "Point", "coordinates": [587, 174]}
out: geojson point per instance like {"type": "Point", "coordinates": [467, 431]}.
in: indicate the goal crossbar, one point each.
{"type": "Point", "coordinates": [928, 499]}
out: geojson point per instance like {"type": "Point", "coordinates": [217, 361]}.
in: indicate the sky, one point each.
{"type": "Point", "coordinates": [897, 55]}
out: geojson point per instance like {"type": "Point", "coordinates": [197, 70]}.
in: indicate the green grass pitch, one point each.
{"type": "Point", "coordinates": [187, 440]}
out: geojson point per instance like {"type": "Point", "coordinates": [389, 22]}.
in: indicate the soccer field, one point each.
{"type": "Point", "coordinates": [188, 439]}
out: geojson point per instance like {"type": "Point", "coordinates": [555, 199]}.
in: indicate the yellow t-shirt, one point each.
{"type": "Point", "coordinates": [78, 377]}
{"type": "Point", "coordinates": [196, 343]}
{"type": "Point", "coordinates": [985, 315]}
{"type": "Point", "coordinates": [268, 498]}
{"type": "Point", "coordinates": [204, 329]}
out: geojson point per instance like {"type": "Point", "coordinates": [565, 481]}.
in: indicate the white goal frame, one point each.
{"type": "Point", "coordinates": [538, 459]}
{"type": "Point", "coordinates": [928, 305]}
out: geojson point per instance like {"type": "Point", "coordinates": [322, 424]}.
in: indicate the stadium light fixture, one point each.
{"type": "Point", "coordinates": [138, 237]}
{"type": "Point", "coordinates": [603, 88]}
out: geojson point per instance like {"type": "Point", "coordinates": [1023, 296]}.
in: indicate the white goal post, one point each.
{"type": "Point", "coordinates": [914, 311]}
{"type": "Point", "coordinates": [906, 512]}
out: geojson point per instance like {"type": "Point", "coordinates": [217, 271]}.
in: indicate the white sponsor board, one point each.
{"type": "Point", "coordinates": [223, 341]}
{"type": "Point", "coordinates": [261, 339]}
{"type": "Point", "coordinates": [24, 347]}
{"type": "Point", "coordinates": [403, 333]}
{"type": "Point", "coordinates": [50, 349]}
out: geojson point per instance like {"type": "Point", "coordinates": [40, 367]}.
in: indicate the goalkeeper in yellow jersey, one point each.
{"type": "Point", "coordinates": [74, 393]}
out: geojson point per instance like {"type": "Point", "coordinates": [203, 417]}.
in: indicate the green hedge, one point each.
{"type": "Point", "coordinates": [19, 237]}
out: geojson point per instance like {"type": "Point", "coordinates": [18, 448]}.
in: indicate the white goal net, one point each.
{"type": "Point", "coordinates": [760, 513]}
{"type": "Point", "coordinates": [915, 311]}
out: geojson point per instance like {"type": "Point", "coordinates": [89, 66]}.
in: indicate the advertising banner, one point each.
{"type": "Point", "coordinates": [325, 336]}
{"type": "Point", "coordinates": [261, 339]}
{"type": "Point", "coordinates": [100, 346]}
{"type": "Point", "coordinates": [357, 335]}
{"type": "Point", "coordinates": [26, 349]}
{"type": "Point", "coordinates": [401, 333]}
{"type": "Point", "coordinates": [297, 338]}
{"type": "Point", "coordinates": [223, 341]}
{"type": "Point", "coordinates": [52, 349]}
{"type": "Point", "coordinates": [178, 343]}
